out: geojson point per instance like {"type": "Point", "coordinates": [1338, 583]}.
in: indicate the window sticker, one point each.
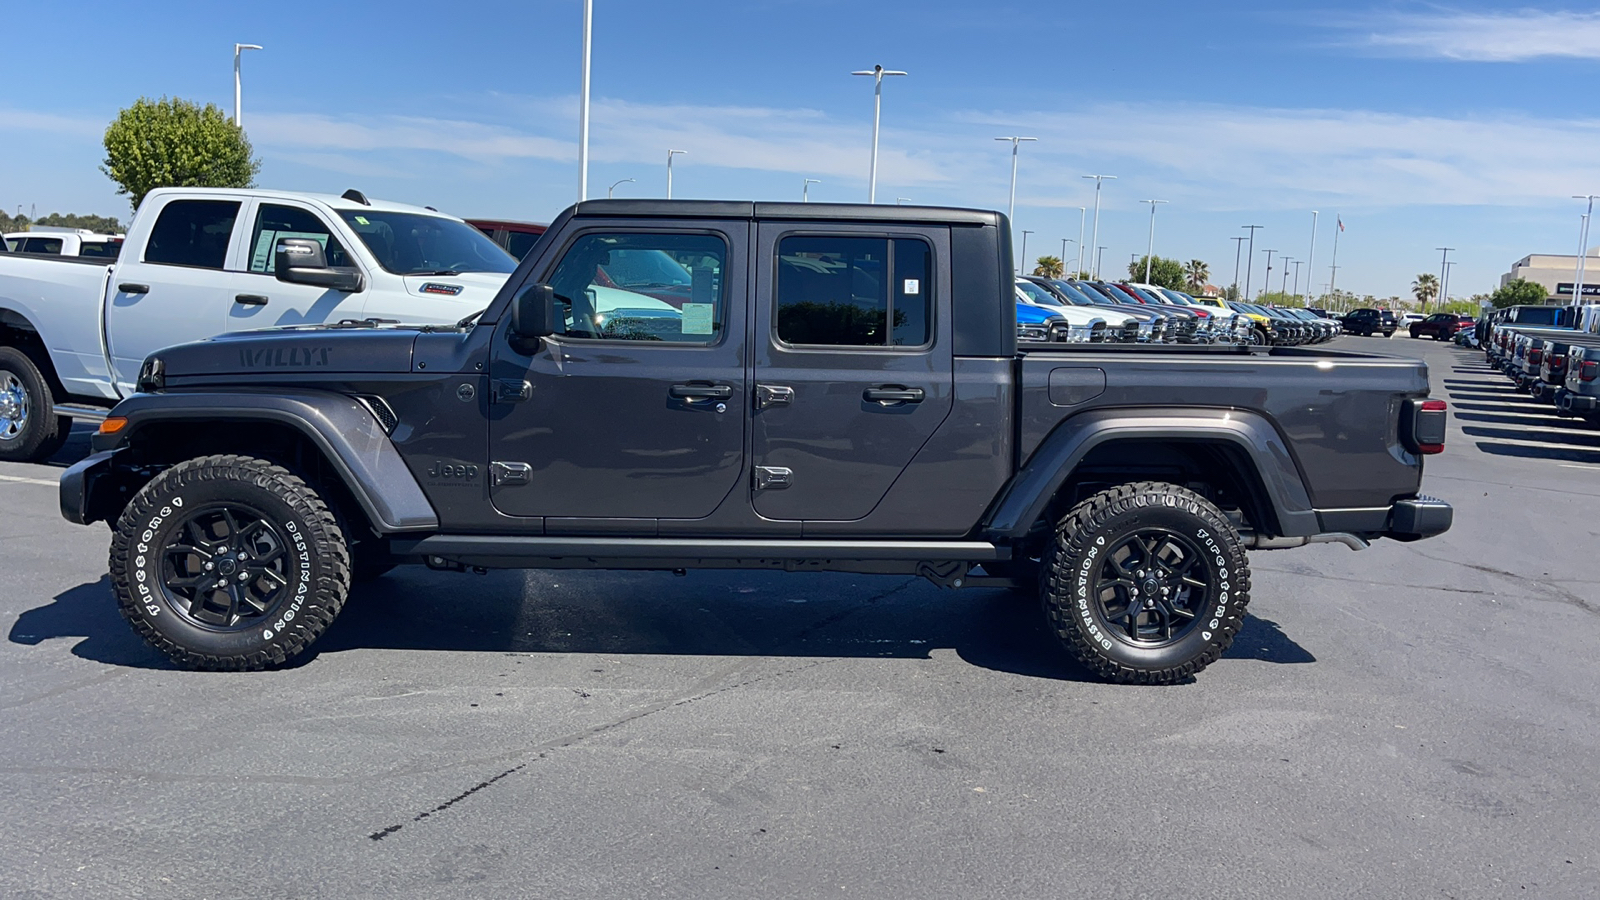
{"type": "Point", "coordinates": [913, 287]}
{"type": "Point", "coordinates": [362, 220]}
{"type": "Point", "coordinates": [697, 318]}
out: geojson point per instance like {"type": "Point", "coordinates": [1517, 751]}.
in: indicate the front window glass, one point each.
{"type": "Point", "coordinates": [854, 291]}
{"type": "Point", "coordinates": [274, 222]}
{"type": "Point", "coordinates": [412, 244]}
{"type": "Point", "coordinates": [643, 287]}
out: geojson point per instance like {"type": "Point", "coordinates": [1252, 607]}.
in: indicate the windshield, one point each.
{"type": "Point", "coordinates": [1537, 315]}
{"type": "Point", "coordinates": [1036, 294]}
{"type": "Point", "coordinates": [1072, 292]}
{"type": "Point", "coordinates": [411, 244]}
{"type": "Point", "coordinates": [1175, 297]}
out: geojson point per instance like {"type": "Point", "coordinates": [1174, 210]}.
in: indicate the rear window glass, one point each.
{"type": "Point", "coordinates": [50, 246]}
{"type": "Point", "coordinates": [101, 249]}
{"type": "Point", "coordinates": [1538, 315]}
{"type": "Point", "coordinates": [192, 233]}
{"type": "Point", "coordinates": [854, 291]}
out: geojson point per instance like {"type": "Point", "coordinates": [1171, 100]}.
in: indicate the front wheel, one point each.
{"type": "Point", "coordinates": [1147, 583]}
{"type": "Point", "coordinates": [229, 562]}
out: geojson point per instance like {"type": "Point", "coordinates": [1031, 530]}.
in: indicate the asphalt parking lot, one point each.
{"type": "Point", "coordinates": [1409, 720]}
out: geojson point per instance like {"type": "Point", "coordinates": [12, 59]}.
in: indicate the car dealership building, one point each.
{"type": "Point", "coordinates": [1557, 273]}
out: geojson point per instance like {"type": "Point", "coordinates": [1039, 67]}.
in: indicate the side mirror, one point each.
{"type": "Point", "coordinates": [533, 312]}
{"type": "Point", "coordinates": [302, 261]}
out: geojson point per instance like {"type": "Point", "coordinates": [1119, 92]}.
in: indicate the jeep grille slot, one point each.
{"type": "Point", "coordinates": [380, 410]}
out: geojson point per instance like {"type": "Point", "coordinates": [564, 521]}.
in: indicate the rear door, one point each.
{"type": "Point", "coordinates": [177, 289]}
{"type": "Point", "coordinates": [260, 300]}
{"type": "Point", "coordinates": [852, 363]}
{"type": "Point", "coordinates": [636, 412]}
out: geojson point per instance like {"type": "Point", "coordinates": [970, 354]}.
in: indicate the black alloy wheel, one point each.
{"type": "Point", "coordinates": [1152, 585]}
{"type": "Point", "coordinates": [227, 567]}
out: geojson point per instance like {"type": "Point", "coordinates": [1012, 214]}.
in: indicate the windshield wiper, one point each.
{"type": "Point", "coordinates": [472, 318]}
{"type": "Point", "coordinates": [436, 272]}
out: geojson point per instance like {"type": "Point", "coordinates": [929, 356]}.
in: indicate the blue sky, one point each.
{"type": "Point", "coordinates": [1421, 125]}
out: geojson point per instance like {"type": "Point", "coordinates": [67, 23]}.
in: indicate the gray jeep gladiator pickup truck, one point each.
{"type": "Point", "coordinates": [672, 385]}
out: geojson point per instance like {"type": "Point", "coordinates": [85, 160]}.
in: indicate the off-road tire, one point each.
{"type": "Point", "coordinates": [43, 432]}
{"type": "Point", "coordinates": [1093, 530]}
{"type": "Point", "coordinates": [318, 576]}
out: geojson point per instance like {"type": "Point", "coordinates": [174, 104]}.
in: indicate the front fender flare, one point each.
{"type": "Point", "coordinates": [353, 442]}
{"type": "Point", "coordinates": [1030, 491]}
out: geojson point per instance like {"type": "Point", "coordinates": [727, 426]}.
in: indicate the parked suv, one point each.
{"type": "Point", "coordinates": [1367, 321]}
{"type": "Point", "coordinates": [1440, 326]}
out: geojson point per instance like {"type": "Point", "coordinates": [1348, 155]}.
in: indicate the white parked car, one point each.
{"type": "Point", "coordinates": [51, 241]}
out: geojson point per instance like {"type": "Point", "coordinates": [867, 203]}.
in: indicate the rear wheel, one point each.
{"type": "Point", "coordinates": [30, 430]}
{"type": "Point", "coordinates": [1146, 583]}
{"type": "Point", "coordinates": [229, 562]}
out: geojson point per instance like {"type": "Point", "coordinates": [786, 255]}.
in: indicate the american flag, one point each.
{"type": "Point", "coordinates": [1340, 220]}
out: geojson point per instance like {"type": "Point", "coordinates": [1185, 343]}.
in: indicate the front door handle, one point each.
{"type": "Point", "coordinates": [250, 299]}
{"type": "Point", "coordinates": [128, 287]}
{"type": "Point", "coordinates": [892, 393]}
{"type": "Point", "coordinates": [701, 392]}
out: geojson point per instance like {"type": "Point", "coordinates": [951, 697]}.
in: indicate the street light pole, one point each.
{"type": "Point", "coordinates": [1011, 211]}
{"type": "Point", "coordinates": [1152, 246]}
{"type": "Point", "coordinates": [877, 73]}
{"type": "Point", "coordinates": [583, 105]}
{"type": "Point", "coordinates": [1077, 271]}
{"type": "Point", "coordinates": [1098, 253]}
{"type": "Point", "coordinates": [1310, 261]}
{"type": "Point", "coordinates": [614, 186]}
{"type": "Point", "coordinates": [1064, 243]}
{"type": "Point", "coordinates": [805, 189]}
{"type": "Point", "coordinates": [238, 122]}
{"type": "Point", "coordinates": [1266, 283]}
{"type": "Point", "coordinates": [1250, 258]}
{"type": "Point", "coordinates": [670, 154]}
{"type": "Point", "coordinates": [1444, 289]}
{"type": "Point", "coordinates": [1238, 242]}
{"type": "Point", "coordinates": [1297, 278]}
{"type": "Point", "coordinates": [1024, 262]}
{"type": "Point", "coordinates": [1096, 241]}
{"type": "Point", "coordinates": [1284, 288]}
{"type": "Point", "coordinates": [1583, 247]}
{"type": "Point", "coordinates": [1443, 266]}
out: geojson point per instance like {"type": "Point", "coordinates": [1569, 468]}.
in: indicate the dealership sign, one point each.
{"type": "Point", "coordinates": [1565, 289]}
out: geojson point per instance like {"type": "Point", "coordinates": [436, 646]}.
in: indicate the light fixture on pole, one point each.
{"type": "Point", "coordinates": [1024, 261]}
{"type": "Point", "coordinates": [237, 91]}
{"type": "Point", "coordinates": [1152, 246]}
{"type": "Point", "coordinates": [614, 186]}
{"type": "Point", "coordinates": [583, 105]}
{"type": "Point", "coordinates": [1266, 282]}
{"type": "Point", "coordinates": [878, 73]}
{"type": "Point", "coordinates": [805, 189]}
{"type": "Point", "coordinates": [1310, 261]}
{"type": "Point", "coordinates": [1442, 266]}
{"type": "Point", "coordinates": [1011, 211]}
{"type": "Point", "coordinates": [901, 201]}
{"type": "Point", "coordinates": [1238, 242]}
{"type": "Point", "coordinates": [670, 155]}
{"type": "Point", "coordinates": [1249, 258]}
{"type": "Point", "coordinates": [1078, 271]}
{"type": "Point", "coordinates": [1583, 247]}
{"type": "Point", "coordinates": [1096, 239]}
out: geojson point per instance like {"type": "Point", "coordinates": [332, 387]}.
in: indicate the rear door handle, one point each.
{"type": "Point", "coordinates": [701, 392]}
{"type": "Point", "coordinates": [128, 287]}
{"type": "Point", "coordinates": [250, 299]}
{"type": "Point", "coordinates": [892, 393]}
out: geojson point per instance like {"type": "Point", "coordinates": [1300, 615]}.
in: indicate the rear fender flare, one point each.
{"type": "Point", "coordinates": [346, 433]}
{"type": "Point", "coordinates": [1029, 493]}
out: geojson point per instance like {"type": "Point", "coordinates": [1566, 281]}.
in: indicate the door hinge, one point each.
{"type": "Point", "coordinates": [773, 478]}
{"type": "Point", "coordinates": [511, 390]}
{"type": "Point", "coordinates": [506, 473]}
{"type": "Point", "coordinates": [770, 395]}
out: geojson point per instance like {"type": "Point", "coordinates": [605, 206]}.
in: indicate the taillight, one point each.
{"type": "Point", "coordinates": [1535, 354]}
{"type": "Point", "coordinates": [1557, 360]}
{"type": "Point", "coordinates": [1425, 433]}
{"type": "Point", "coordinates": [1590, 370]}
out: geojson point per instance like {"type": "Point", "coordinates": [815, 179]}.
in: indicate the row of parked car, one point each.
{"type": "Point", "coordinates": [1085, 311]}
{"type": "Point", "coordinates": [1549, 352]}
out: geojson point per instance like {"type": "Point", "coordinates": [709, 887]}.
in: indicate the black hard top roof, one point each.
{"type": "Point", "coordinates": [747, 209]}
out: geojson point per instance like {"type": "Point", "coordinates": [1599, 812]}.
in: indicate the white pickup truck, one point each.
{"type": "Point", "coordinates": [199, 262]}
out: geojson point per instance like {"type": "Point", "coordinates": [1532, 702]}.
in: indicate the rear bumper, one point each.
{"type": "Point", "coordinates": [79, 488]}
{"type": "Point", "coordinates": [1579, 403]}
{"type": "Point", "coordinates": [1418, 518]}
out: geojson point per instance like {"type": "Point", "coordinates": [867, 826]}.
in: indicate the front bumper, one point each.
{"type": "Point", "coordinates": [87, 489]}
{"type": "Point", "coordinates": [1418, 518]}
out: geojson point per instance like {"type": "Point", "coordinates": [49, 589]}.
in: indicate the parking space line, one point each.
{"type": "Point", "coordinates": [20, 480]}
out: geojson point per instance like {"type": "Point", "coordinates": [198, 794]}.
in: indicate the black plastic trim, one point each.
{"type": "Point", "coordinates": [1422, 517]}
{"type": "Point", "coordinates": [469, 547]}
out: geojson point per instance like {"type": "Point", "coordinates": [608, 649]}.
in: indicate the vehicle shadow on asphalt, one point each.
{"type": "Point", "coordinates": [703, 614]}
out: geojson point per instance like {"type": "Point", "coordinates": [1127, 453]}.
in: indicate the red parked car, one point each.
{"type": "Point", "coordinates": [516, 237]}
{"type": "Point", "coordinates": [1441, 326]}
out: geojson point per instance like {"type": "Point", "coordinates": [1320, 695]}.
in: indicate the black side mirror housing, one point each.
{"type": "Point", "coordinates": [302, 261]}
{"type": "Point", "coordinates": [533, 313]}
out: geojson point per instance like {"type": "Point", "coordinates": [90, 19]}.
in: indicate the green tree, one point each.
{"type": "Point", "coordinates": [1520, 292]}
{"type": "Point", "coordinates": [176, 143]}
{"type": "Point", "coordinates": [1196, 274]}
{"type": "Point", "coordinates": [1425, 288]}
{"type": "Point", "coordinates": [97, 224]}
{"type": "Point", "coordinates": [1280, 298]}
{"type": "Point", "coordinates": [1050, 267]}
{"type": "Point", "coordinates": [1168, 273]}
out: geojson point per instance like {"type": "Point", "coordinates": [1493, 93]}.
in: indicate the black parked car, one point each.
{"type": "Point", "coordinates": [1367, 321]}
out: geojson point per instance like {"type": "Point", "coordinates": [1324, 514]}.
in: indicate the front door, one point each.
{"type": "Point", "coordinates": [852, 366]}
{"type": "Point", "coordinates": [260, 300]}
{"type": "Point", "coordinates": [637, 410]}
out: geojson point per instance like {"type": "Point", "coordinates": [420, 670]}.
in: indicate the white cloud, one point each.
{"type": "Point", "coordinates": [1514, 36]}
{"type": "Point", "coordinates": [27, 120]}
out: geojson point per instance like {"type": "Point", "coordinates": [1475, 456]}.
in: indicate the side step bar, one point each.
{"type": "Point", "coordinates": [80, 411]}
{"type": "Point", "coordinates": [503, 551]}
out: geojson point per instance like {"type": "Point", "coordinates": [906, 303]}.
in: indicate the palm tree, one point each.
{"type": "Point", "coordinates": [1050, 267]}
{"type": "Point", "coordinates": [1197, 273]}
{"type": "Point", "coordinates": [1425, 288]}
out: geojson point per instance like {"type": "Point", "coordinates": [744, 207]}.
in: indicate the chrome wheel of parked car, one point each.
{"type": "Point", "coordinates": [13, 407]}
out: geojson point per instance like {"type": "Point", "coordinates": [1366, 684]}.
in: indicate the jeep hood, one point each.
{"type": "Point", "coordinates": [299, 350]}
